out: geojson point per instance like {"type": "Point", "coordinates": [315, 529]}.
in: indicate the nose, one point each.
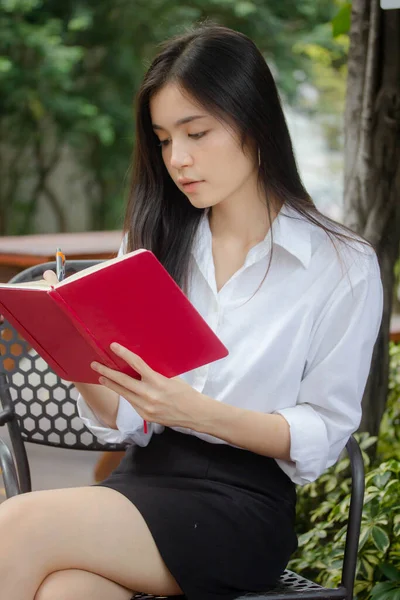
{"type": "Point", "coordinates": [180, 157]}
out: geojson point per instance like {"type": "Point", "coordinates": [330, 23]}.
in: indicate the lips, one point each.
{"type": "Point", "coordinates": [191, 186]}
{"type": "Point", "coordinates": [186, 181]}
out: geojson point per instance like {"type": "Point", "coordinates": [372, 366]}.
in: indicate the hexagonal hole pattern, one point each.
{"type": "Point", "coordinates": [25, 365]}
{"type": "Point", "coordinates": [21, 410]}
{"type": "Point", "coordinates": [27, 394]}
{"type": "Point", "coordinates": [16, 350]}
{"type": "Point", "coordinates": [40, 364]}
{"type": "Point", "coordinates": [51, 409]}
{"type": "Point", "coordinates": [18, 379]}
{"type": "Point", "coordinates": [61, 424]}
{"type": "Point", "coordinates": [70, 438]}
{"type": "Point", "coordinates": [50, 379]}
{"type": "Point", "coordinates": [34, 379]}
{"type": "Point", "coordinates": [68, 408]}
{"type": "Point", "coordinates": [29, 424]}
{"type": "Point", "coordinates": [45, 424]}
{"type": "Point", "coordinates": [45, 404]}
{"type": "Point", "coordinates": [35, 409]}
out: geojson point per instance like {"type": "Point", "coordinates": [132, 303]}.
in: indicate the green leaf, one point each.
{"type": "Point", "coordinates": [19, 5]}
{"type": "Point", "coordinates": [380, 538]}
{"type": "Point", "coordinates": [341, 22]}
{"type": "Point", "coordinates": [386, 590]}
{"type": "Point", "coordinates": [80, 22]}
{"type": "Point", "coordinates": [5, 64]}
{"type": "Point", "coordinates": [381, 480]}
{"type": "Point", "coordinates": [390, 571]}
{"type": "Point", "coordinates": [365, 531]}
{"type": "Point", "coordinates": [244, 8]}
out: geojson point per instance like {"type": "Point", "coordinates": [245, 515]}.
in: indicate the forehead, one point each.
{"type": "Point", "coordinates": [169, 105]}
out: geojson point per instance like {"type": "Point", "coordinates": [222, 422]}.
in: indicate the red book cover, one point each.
{"type": "Point", "coordinates": [131, 300]}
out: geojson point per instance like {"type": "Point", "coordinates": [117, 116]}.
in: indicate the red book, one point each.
{"type": "Point", "coordinates": [131, 300]}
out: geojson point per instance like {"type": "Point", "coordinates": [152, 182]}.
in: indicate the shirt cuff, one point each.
{"type": "Point", "coordinates": [99, 429]}
{"type": "Point", "coordinates": [131, 425]}
{"type": "Point", "coordinates": [128, 421]}
{"type": "Point", "coordinates": [309, 447]}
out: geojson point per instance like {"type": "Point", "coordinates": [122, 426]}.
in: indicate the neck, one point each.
{"type": "Point", "coordinates": [244, 223]}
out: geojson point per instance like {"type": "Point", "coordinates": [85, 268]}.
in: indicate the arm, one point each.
{"type": "Point", "coordinates": [103, 402]}
{"type": "Point", "coordinates": [265, 434]}
{"type": "Point", "coordinates": [308, 437]}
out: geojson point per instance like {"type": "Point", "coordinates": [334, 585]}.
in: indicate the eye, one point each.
{"type": "Point", "coordinates": [164, 143]}
{"type": "Point", "coordinates": [197, 136]}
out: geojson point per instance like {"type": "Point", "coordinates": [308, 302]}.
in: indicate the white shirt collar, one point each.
{"type": "Point", "coordinates": [291, 231]}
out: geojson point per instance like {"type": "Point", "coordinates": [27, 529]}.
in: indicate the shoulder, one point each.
{"type": "Point", "coordinates": [341, 251]}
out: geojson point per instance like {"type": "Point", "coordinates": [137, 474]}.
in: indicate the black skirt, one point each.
{"type": "Point", "coordinates": [222, 517]}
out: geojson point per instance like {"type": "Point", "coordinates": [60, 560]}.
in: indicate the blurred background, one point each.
{"type": "Point", "coordinates": [68, 76]}
{"type": "Point", "coordinates": [69, 71]}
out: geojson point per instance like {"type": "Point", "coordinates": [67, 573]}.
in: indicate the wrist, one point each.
{"type": "Point", "coordinates": [214, 416]}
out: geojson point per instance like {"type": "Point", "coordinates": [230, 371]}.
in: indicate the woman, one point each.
{"type": "Point", "coordinates": [204, 502]}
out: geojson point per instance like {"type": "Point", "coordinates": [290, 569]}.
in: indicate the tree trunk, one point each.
{"type": "Point", "coordinates": [372, 171]}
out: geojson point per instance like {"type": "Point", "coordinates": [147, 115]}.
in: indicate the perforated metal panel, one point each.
{"type": "Point", "coordinates": [44, 403]}
{"type": "Point", "coordinates": [290, 585]}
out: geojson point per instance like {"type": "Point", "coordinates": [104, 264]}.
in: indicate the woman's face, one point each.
{"type": "Point", "coordinates": [202, 155]}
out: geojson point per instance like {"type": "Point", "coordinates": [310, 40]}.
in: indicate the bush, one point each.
{"type": "Point", "coordinates": [323, 507]}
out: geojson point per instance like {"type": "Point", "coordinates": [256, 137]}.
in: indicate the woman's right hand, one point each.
{"type": "Point", "coordinates": [48, 276]}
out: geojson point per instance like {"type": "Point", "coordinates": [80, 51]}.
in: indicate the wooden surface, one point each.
{"type": "Point", "coordinates": [23, 251]}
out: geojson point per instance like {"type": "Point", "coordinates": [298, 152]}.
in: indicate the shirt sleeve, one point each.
{"type": "Point", "coordinates": [129, 422]}
{"type": "Point", "coordinates": [328, 408]}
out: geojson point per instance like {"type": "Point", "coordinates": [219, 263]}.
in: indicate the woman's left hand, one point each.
{"type": "Point", "coordinates": [157, 399]}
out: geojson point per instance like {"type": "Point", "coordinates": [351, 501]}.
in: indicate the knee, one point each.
{"type": "Point", "coordinates": [61, 585]}
{"type": "Point", "coordinates": [56, 585]}
{"type": "Point", "coordinates": [17, 512]}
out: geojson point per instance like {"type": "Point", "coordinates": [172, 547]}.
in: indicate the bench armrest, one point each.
{"type": "Point", "coordinates": [8, 470]}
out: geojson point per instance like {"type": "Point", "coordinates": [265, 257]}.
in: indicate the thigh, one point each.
{"type": "Point", "coordinates": [80, 585]}
{"type": "Point", "coordinates": [95, 529]}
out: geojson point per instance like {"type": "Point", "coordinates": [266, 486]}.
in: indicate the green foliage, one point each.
{"type": "Point", "coordinates": [389, 438]}
{"type": "Point", "coordinates": [69, 72]}
{"type": "Point", "coordinates": [341, 21]}
{"type": "Point", "coordinates": [323, 508]}
{"type": "Point", "coordinates": [327, 48]}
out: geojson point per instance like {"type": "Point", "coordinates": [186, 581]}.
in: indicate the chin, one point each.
{"type": "Point", "coordinates": [197, 203]}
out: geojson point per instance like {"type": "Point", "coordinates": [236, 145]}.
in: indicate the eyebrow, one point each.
{"type": "Point", "coordinates": [182, 121]}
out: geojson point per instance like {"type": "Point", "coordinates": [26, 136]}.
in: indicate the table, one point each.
{"type": "Point", "coordinates": [20, 252]}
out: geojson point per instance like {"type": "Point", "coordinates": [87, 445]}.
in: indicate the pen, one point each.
{"type": "Point", "coordinates": [60, 265]}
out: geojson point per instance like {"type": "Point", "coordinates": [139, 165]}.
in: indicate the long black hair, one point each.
{"type": "Point", "coordinates": [226, 74]}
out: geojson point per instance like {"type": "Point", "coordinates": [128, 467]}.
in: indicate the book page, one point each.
{"type": "Point", "coordinates": [44, 285]}
{"type": "Point", "coordinates": [98, 267]}
{"type": "Point", "coordinates": [40, 283]}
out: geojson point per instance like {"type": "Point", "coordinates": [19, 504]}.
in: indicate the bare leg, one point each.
{"type": "Point", "coordinates": [80, 585]}
{"type": "Point", "coordinates": [92, 529]}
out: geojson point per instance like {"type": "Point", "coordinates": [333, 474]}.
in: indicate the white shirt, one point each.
{"type": "Point", "coordinates": [301, 347]}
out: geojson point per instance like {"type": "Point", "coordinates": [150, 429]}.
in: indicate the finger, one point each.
{"type": "Point", "coordinates": [130, 383]}
{"type": "Point", "coordinates": [50, 276]}
{"type": "Point", "coordinates": [135, 400]}
{"type": "Point", "coordinates": [133, 360]}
